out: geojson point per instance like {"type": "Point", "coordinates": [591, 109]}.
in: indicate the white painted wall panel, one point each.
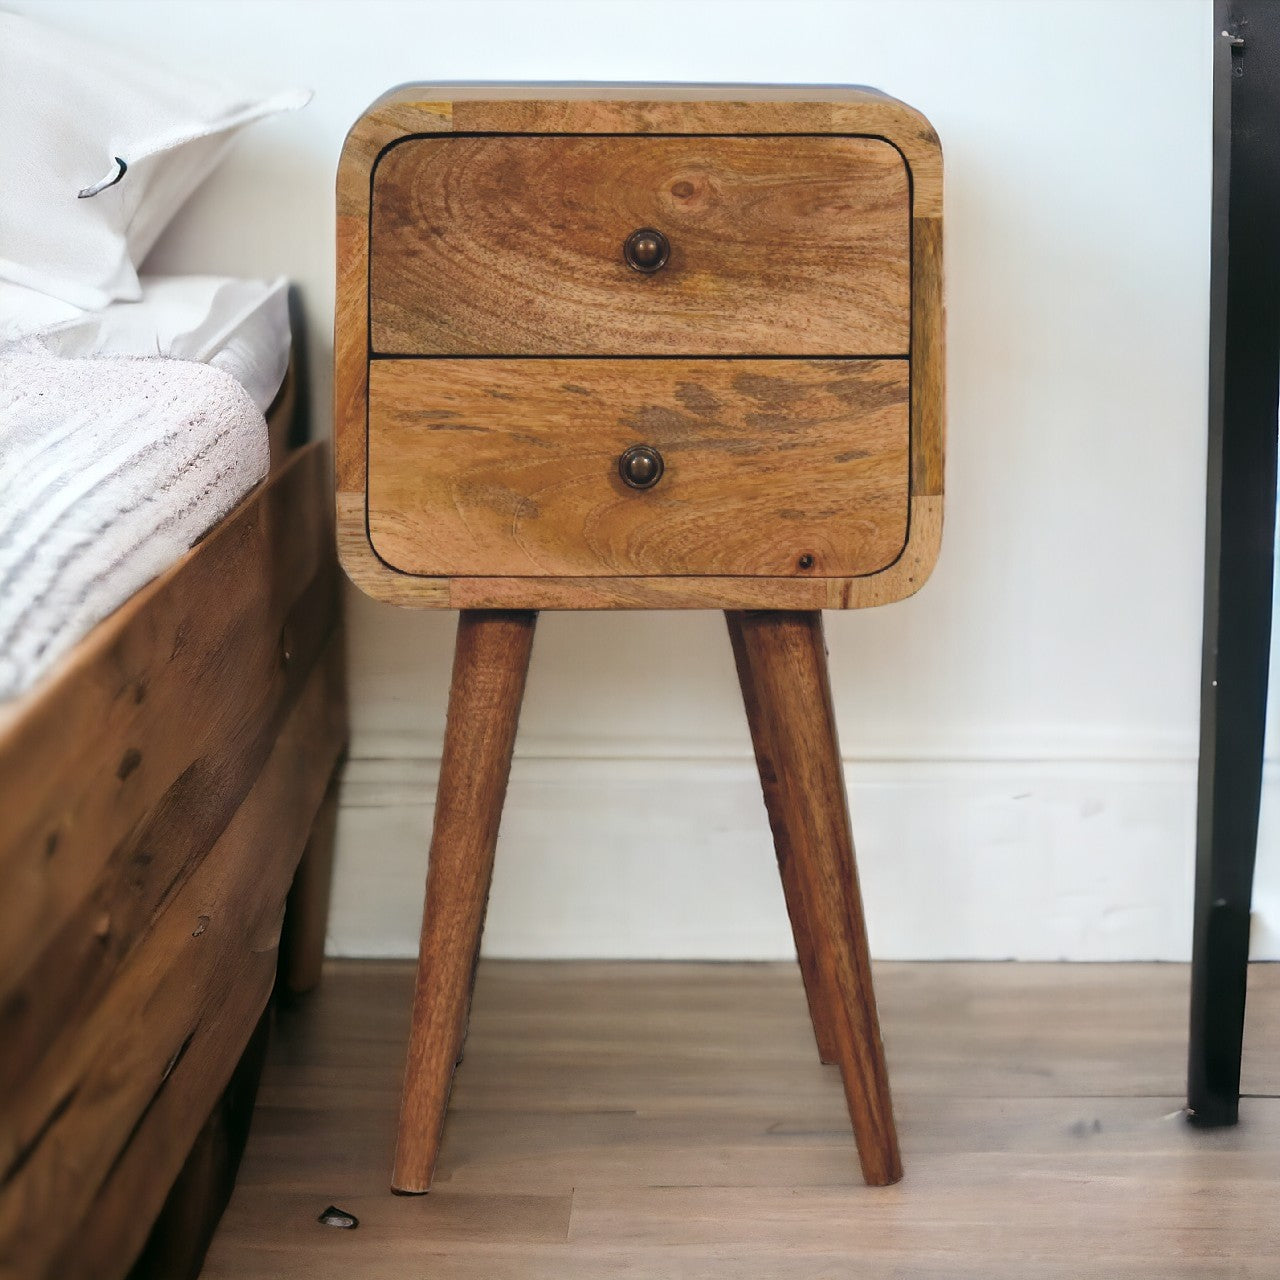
{"type": "Point", "coordinates": [1021, 736]}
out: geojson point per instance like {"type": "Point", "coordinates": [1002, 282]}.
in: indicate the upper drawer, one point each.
{"type": "Point", "coordinates": [513, 245]}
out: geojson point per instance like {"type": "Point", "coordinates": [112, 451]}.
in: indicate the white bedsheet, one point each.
{"type": "Point", "coordinates": [110, 468]}
{"type": "Point", "coordinates": [240, 326]}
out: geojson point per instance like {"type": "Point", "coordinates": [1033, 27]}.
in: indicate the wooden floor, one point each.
{"type": "Point", "coordinates": [647, 1120]}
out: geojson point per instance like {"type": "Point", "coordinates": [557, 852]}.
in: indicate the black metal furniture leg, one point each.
{"type": "Point", "coordinates": [1244, 373]}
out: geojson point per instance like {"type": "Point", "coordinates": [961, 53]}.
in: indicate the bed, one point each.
{"type": "Point", "coordinates": [166, 786]}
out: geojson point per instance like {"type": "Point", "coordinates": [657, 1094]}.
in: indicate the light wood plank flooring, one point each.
{"type": "Point", "coordinates": [672, 1120]}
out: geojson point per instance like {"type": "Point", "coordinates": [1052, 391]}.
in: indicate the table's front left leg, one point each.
{"type": "Point", "coordinates": [490, 663]}
{"type": "Point", "coordinates": [797, 912]}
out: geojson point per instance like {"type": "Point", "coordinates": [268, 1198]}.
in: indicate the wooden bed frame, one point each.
{"type": "Point", "coordinates": [157, 793]}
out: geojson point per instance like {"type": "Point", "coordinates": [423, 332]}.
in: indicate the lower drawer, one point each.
{"type": "Point", "coordinates": [509, 467]}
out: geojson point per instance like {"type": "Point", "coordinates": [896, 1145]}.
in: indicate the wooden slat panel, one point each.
{"type": "Point", "coordinates": [94, 1139]}
{"type": "Point", "coordinates": [182, 666]}
{"type": "Point", "coordinates": [123, 780]}
{"type": "Point", "coordinates": [513, 246]}
{"type": "Point", "coordinates": [509, 468]}
{"type": "Point", "coordinates": [150, 864]}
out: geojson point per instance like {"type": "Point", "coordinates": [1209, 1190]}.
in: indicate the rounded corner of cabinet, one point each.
{"type": "Point", "coordinates": [924, 543]}
{"type": "Point", "coordinates": [913, 567]}
{"type": "Point", "coordinates": [357, 555]}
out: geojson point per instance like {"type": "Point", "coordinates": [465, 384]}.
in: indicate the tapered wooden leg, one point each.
{"type": "Point", "coordinates": [787, 662]}
{"type": "Point", "coordinates": [819, 1012]}
{"type": "Point", "coordinates": [306, 914]}
{"type": "Point", "coordinates": [489, 667]}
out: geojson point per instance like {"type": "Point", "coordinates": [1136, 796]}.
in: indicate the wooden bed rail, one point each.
{"type": "Point", "coordinates": [156, 794]}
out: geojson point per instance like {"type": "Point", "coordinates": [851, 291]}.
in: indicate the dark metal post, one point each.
{"type": "Point", "coordinates": [1244, 380]}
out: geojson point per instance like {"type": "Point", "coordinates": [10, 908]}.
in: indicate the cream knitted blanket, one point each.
{"type": "Point", "coordinates": [110, 468]}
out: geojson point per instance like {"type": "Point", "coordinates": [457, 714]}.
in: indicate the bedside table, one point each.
{"type": "Point", "coordinates": [616, 347]}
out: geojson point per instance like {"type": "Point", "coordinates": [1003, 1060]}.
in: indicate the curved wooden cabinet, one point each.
{"type": "Point", "coordinates": [641, 348]}
{"type": "Point", "coordinates": [497, 351]}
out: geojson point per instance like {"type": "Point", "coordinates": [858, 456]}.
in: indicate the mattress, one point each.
{"type": "Point", "coordinates": [239, 326]}
{"type": "Point", "coordinates": [125, 434]}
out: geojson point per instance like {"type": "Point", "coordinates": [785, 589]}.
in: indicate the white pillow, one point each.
{"type": "Point", "coordinates": [98, 151]}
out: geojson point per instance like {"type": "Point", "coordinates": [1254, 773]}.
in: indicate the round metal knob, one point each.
{"type": "Point", "coordinates": [640, 466]}
{"type": "Point", "coordinates": [646, 250]}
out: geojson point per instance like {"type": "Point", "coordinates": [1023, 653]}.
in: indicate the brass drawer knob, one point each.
{"type": "Point", "coordinates": [640, 466]}
{"type": "Point", "coordinates": [646, 250]}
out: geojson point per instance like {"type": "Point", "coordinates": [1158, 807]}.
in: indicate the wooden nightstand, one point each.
{"type": "Point", "coordinates": [642, 348]}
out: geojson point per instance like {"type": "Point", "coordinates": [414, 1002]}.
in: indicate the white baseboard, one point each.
{"type": "Point", "coordinates": [648, 858]}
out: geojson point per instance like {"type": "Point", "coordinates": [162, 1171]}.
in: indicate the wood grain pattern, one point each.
{"type": "Point", "coordinates": [350, 346]}
{"type": "Point", "coordinates": [56, 983]}
{"type": "Point", "coordinates": [903, 578]}
{"type": "Point", "coordinates": [636, 1120]}
{"type": "Point", "coordinates": [691, 109]}
{"type": "Point", "coordinates": [509, 245]}
{"type": "Point", "coordinates": [786, 666]}
{"type": "Point", "coordinates": [774, 802]}
{"type": "Point", "coordinates": [773, 468]}
{"type": "Point", "coordinates": [928, 330]}
{"type": "Point", "coordinates": [121, 777]}
{"type": "Point", "coordinates": [121, 1100]}
{"type": "Point", "coordinates": [490, 664]}
{"type": "Point", "coordinates": [384, 121]}
{"type": "Point", "coordinates": [598, 109]}
{"type": "Point", "coordinates": [94, 750]}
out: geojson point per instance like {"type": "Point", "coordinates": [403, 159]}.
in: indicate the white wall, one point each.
{"type": "Point", "coordinates": [1021, 736]}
